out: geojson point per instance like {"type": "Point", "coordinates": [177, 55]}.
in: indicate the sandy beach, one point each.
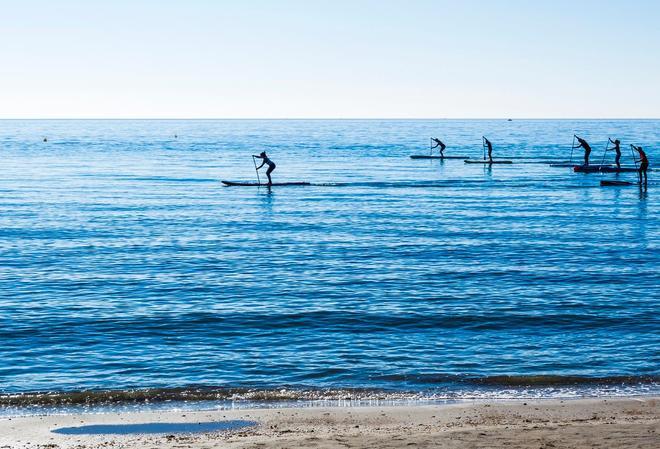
{"type": "Point", "coordinates": [606, 423]}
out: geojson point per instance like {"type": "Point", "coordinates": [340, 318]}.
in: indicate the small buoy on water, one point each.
{"type": "Point", "coordinates": [45, 139]}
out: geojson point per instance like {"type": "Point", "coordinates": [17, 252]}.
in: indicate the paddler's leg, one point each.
{"type": "Point", "coordinates": [617, 160]}
{"type": "Point", "coordinates": [268, 172]}
{"type": "Point", "coordinates": [644, 169]}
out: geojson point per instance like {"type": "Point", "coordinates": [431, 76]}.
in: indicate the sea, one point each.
{"type": "Point", "coordinates": [130, 276]}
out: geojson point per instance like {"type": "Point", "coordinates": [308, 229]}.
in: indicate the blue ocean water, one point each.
{"type": "Point", "coordinates": [125, 264]}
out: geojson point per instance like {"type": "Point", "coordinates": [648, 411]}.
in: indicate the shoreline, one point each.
{"type": "Point", "coordinates": [14, 407]}
{"type": "Point", "coordinates": [606, 422]}
{"type": "Point", "coordinates": [205, 405]}
{"type": "Point", "coordinates": [506, 387]}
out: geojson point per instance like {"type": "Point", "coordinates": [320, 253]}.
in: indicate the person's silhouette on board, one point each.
{"type": "Point", "coordinates": [617, 149]}
{"type": "Point", "coordinates": [643, 165]}
{"type": "Point", "coordinates": [587, 149]}
{"type": "Point", "coordinates": [490, 149]}
{"type": "Point", "coordinates": [266, 161]}
{"type": "Point", "coordinates": [438, 144]}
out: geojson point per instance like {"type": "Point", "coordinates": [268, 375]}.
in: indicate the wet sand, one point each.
{"type": "Point", "coordinates": [603, 423]}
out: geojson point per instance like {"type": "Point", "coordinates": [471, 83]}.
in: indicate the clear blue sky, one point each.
{"type": "Point", "coordinates": [360, 58]}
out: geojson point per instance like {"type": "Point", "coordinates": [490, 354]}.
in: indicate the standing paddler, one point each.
{"type": "Point", "coordinates": [587, 149]}
{"type": "Point", "coordinates": [490, 149]}
{"type": "Point", "coordinates": [266, 161]}
{"type": "Point", "coordinates": [617, 149]}
{"type": "Point", "coordinates": [438, 144]}
{"type": "Point", "coordinates": [643, 164]}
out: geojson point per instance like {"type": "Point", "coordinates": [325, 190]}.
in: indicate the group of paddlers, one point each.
{"type": "Point", "coordinates": [643, 160]}
{"type": "Point", "coordinates": [437, 143]}
{"type": "Point", "coordinates": [488, 148]}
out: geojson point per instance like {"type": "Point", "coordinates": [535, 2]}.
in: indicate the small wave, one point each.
{"type": "Point", "coordinates": [559, 381]}
{"type": "Point", "coordinates": [456, 387]}
{"type": "Point", "coordinates": [528, 381]}
{"type": "Point", "coordinates": [189, 394]}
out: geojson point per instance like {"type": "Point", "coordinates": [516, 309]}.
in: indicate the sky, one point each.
{"type": "Point", "coordinates": [330, 59]}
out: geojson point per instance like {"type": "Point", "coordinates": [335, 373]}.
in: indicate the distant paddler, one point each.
{"type": "Point", "coordinates": [617, 149]}
{"type": "Point", "coordinates": [587, 149]}
{"type": "Point", "coordinates": [266, 161]}
{"type": "Point", "coordinates": [490, 149]}
{"type": "Point", "coordinates": [643, 164]}
{"type": "Point", "coordinates": [438, 144]}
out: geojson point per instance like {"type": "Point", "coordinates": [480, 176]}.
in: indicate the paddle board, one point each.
{"type": "Point", "coordinates": [419, 156]}
{"type": "Point", "coordinates": [568, 164]}
{"type": "Point", "coordinates": [618, 183]}
{"type": "Point", "coordinates": [618, 170]}
{"type": "Point", "coordinates": [602, 169]}
{"type": "Point", "coordinates": [256, 184]}
{"type": "Point", "coordinates": [482, 161]}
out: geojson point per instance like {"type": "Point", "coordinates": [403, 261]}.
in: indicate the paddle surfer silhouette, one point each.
{"type": "Point", "coordinates": [266, 161]}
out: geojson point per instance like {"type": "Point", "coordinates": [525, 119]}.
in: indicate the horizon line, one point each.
{"type": "Point", "coordinates": [328, 118]}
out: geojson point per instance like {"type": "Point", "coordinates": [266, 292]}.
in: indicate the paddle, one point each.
{"type": "Point", "coordinates": [632, 151]}
{"type": "Point", "coordinates": [256, 169]}
{"type": "Point", "coordinates": [607, 148]}
{"type": "Point", "coordinates": [572, 148]}
{"type": "Point", "coordinates": [483, 145]}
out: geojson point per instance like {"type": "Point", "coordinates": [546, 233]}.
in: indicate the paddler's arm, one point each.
{"type": "Point", "coordinates": [263, 161]}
